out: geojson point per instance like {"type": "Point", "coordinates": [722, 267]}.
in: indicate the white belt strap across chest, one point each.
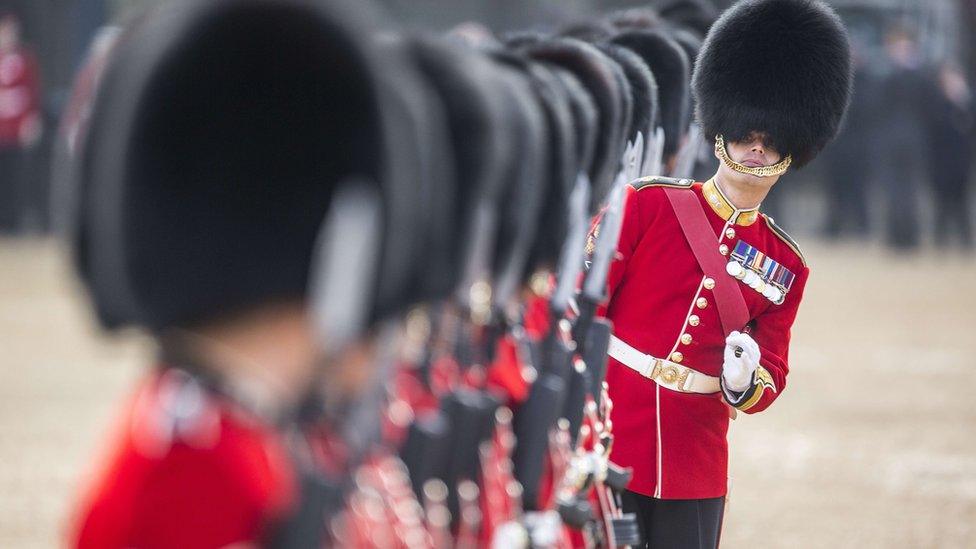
{"type": "Point", "coordinates": [665, 373]}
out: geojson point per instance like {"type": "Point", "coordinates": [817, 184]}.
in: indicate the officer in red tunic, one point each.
{"type": "Point", "coordinates": [705, 287]}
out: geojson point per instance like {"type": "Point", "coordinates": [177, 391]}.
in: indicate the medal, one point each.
{"type": "Point", "coordinates": [760, 272]}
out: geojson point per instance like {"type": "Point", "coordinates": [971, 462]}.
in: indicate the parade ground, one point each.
{"type": "Point", "coordinates": [872, 445]}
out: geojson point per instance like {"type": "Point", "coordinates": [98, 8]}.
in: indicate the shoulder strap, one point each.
{"type": "Point", "coordinates": [701, 237]}
{"type": "Point", "coordinates": [659, 181]}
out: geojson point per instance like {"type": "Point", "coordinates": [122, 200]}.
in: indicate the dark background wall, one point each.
{"type": "Point", "coordinates": [59, 30]}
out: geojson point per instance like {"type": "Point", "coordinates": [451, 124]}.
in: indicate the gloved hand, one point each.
{"type": "Point", "coordinates": [737, 371]}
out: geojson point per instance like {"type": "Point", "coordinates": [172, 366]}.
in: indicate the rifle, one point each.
{"type": "Point", "coordinates": [590, 470]}
{"type": "Point", "coordinates": [595, 282]}
{"type": "Point", "coordinates": [688, 154]}
{"type": "Point", "coordinates": [544, 406]}
{"type": "Point", "coordinates": [344, 266]}
{"type": "Point", "coordinates": [654, 156]}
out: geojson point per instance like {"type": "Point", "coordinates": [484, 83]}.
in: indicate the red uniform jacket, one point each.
{"type": "Point", "coordinates": [186, 469]}
{"type": "Point", "coordinates": [660, 303]}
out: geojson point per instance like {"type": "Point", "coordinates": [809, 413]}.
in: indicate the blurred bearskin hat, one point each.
{"type": "Point", "coordinates": [697, 15]}
{"type": "Point", "coordinates": [601, 78]}
{"type": "Point", "coordinates": [642, 18]}
{"type": "Point", "coordinates": [782, 67]}
{"type": "Point", "coordinates": [524, 184]}
{"type": "Point", "coordinates": [563, 164]}
{"type": "Point", "coordinates": [672, 70]}
{"type": "Point", "coordinates": [643, 89]}
{"type": "Point", "coordinates": [213, 151]}
{"type": "Point", "coordinates": [588, 30]}
{"type": "Point", "coordinates": [585, 117]}
{"type": "Point", "coordinates": [464, 82]}
{"type": "Point", "coordinates": [689, 42]}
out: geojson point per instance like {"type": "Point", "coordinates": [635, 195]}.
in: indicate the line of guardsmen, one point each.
{"type": "Point", "coordinates": [356, 249]}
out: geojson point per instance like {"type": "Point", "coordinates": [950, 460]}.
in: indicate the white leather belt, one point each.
{"type": "Point", "coordinates": [665, 373]}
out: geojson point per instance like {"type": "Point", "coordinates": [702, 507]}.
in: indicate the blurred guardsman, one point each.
{"type": "Point", "coordinates": [198, 202]}
{"type": "Point", "coordinates": [952, 138]}
{"type": "Point", "coordinates": [705, 288]}
{"type": "Point", "coordinates": [20, 120]}
{"type": "Point", "coordinates": [908, 93]}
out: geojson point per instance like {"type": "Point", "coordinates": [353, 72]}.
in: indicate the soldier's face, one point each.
{"type": "Point", "coordinates": [752, 152]}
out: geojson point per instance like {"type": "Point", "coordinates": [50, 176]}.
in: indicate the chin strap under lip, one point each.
{"type": "Point", "coordinates": [776, 169]}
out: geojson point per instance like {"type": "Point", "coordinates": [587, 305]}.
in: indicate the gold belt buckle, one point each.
{"type": "Point", "coordinates": [672, 374]}
{"type": "Point", "coordinates": [656, 371]}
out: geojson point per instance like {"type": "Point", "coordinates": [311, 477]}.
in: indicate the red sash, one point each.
{"type": "Point", "coordinates": [701, 237]}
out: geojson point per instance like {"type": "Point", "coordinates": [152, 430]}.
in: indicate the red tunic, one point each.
{"type": "Point", "coordinates": [185, 469]}
{"type": "Point", "coordinates": [676, 442]}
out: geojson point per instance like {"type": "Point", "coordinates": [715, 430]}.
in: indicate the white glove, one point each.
{"type": "Point", "coordinates": [737, 371]}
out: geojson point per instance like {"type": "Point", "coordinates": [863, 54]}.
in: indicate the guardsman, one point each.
{"type": "Point", "coordinates": [197, 206]}
{"type": "Point", "coordinates": [705, 287]}
{"type": "Point", "coordinates": [20, 120]}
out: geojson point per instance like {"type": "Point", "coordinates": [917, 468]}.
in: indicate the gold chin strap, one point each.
{"type": "Point", "coordinates": [778, 168]}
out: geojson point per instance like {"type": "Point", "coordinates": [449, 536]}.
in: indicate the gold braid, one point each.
{"type": "Point", "coordinates": [778, 168]}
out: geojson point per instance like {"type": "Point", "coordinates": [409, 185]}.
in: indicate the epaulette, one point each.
{"type": "Point", "coordinates": [778, 231]}
{"type": "Point", "coordinates": [658, 181]}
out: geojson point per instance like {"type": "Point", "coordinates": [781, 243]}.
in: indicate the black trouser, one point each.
{"type": "Point", "coordinates": [847, 185]}
{"type": "Point", "coordinates": [677, 523]}
{"type": "Point", "coordinates": [952, 211]}
{"type": "Point", "coordinates": [901, 176]}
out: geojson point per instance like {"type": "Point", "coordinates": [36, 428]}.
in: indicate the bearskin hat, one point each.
{"type": "Point", "coordinates": [782, 67]}
{"type": "Point", "coordinates": [643, 89]}
{"type": "Point", "coordinates": [588, 30]}
{"type": "Point", "coordinates": [522, 196]}
{"type": "Point", "coordinates": [585, 118]}
{"type": "Point", "coordinates": [672, 70]}
{"type": "Point", "coordinates": [520, 39]}
{"type": "Point", "coordinates": [547, 195]}
{"type": "Point", "coordinates": [641, 18]}
{"type": "Point", "coordinates": [202, 194]}
{"type": "Point", "coordinates": [626, 104]}
{"type": "Point", "coordinates": [464, 82]}
{"type": "Point", "coordinates": [562, 168]}
{"type": "Point", "coordinates": [640, 80]}
{"type": "Point", "coordinates": [689, 42]}
{"type": "Point", "coordinates": [697, 15]}
{"type": "Point", "coordinates": [602, 80]}
{"type": "Point", "coordinates": [427, 120]}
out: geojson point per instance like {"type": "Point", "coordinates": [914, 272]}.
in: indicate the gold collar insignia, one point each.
{"type": "Point", "coordinates": [724, 207]}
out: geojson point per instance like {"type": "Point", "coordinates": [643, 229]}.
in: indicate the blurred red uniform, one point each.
{"type": "Point", "coordinates": [186, 468]}
{"type": "Point", "coordinates": [20, 98]}
{"type": "Point", "coordinates": [20, 121]}
{"type": "Point", "coordinates": [661, 304]}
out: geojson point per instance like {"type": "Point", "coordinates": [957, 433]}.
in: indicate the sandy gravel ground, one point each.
{"type": "Point", "coordinates": [872, 445]}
